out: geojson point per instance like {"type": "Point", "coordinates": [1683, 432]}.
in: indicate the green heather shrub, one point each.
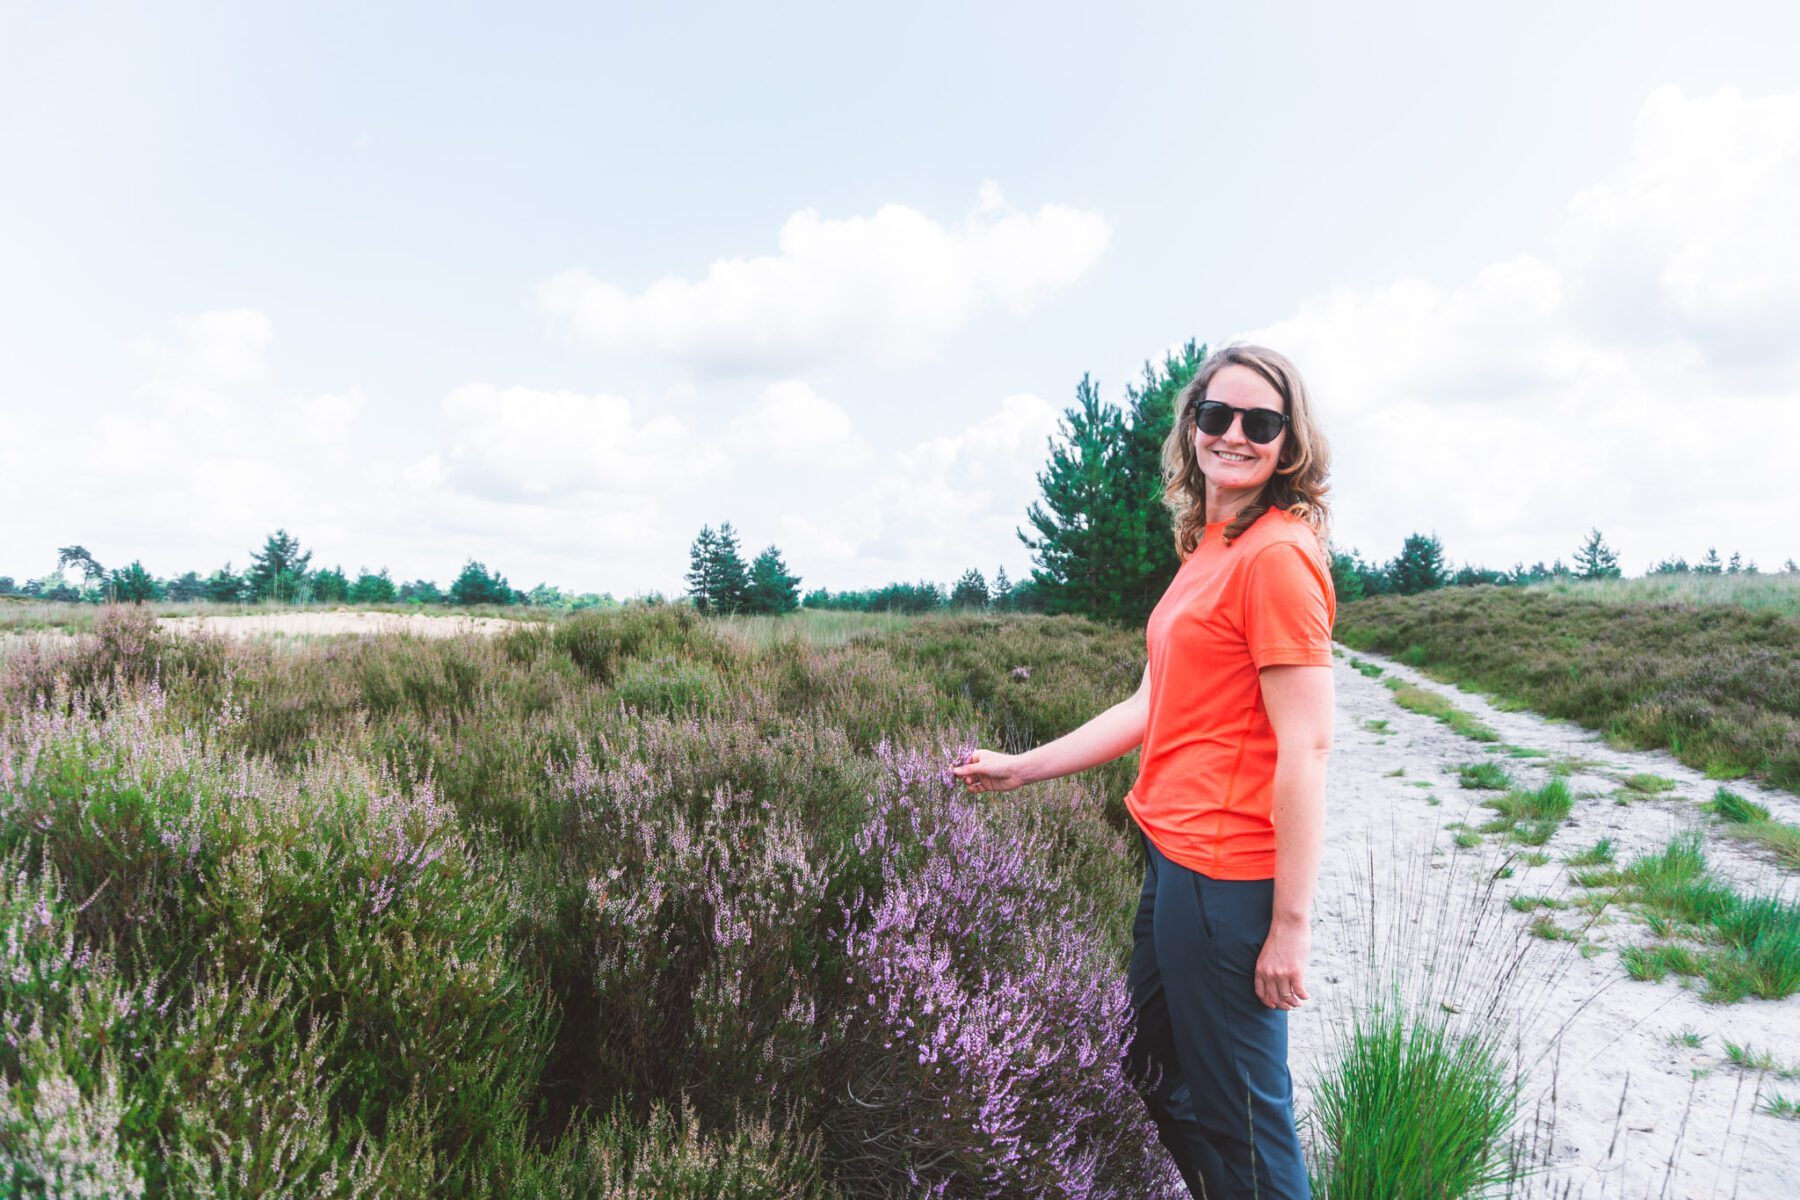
{"type": "Point", "coordinates": [1717, 685]}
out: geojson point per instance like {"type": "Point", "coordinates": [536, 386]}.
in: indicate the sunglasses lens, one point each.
{"type": "Point", "coordinates": [1261, 426]}
{"type": "Point", "coordinates": [1213, 418]}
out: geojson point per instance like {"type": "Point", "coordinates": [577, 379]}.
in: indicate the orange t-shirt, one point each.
{"type": "Point", "coordinates": [1206, 773]}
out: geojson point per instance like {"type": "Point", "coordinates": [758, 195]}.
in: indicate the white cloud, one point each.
{"type": "Point", "coordinates": [789, 424]}
{"type": "Point", "coordinates": [1640, 373]}
{"type": "Point", "coordinates": [213, 360]}
{"type": "Point", "coordinates": [936, 507]}
{"type": "Point", "coordinates": [890, 288]}
{"type": "Point", "coordinates": [519, 443]}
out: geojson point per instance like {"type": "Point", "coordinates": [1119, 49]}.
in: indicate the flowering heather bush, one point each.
{"type": "Point", "coordinates": [984, 1045]}
{"type": "Point", "coordinates": [305, 958]}
{"type": "Point", "coordinates": [388, 917]}
{"type": "Point", "coordinates": [701, 917]}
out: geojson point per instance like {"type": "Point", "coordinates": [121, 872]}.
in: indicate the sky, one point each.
{"type": "Point", "coordinates": [553, 286]}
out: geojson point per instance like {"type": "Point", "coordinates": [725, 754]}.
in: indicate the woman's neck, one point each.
{"type": "Point", "coordinates": [1224, 504]}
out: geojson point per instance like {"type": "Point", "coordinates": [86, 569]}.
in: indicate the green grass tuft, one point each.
{"type": "Point", "coordinates": [1532, 816]}
{"type": "Point", "coordinates": [1750, 821]}
{"type": "Point", "coordinates": [1778, 1105]}
{"type": "Point", "coordinates": [1598, 854]}
{"type": "Point", "coordinates": [1727, 805]}
{"type": "Point", "coordinates": [1429, 703]}
{"type": "Point", "coordinates": [1545, 926]}
{"type": "Point", "coordinates": [1489, 775]}
{"type": "Point", "coordinates": [1753, 941]}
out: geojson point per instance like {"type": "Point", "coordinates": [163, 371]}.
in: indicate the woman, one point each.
{"type": "Point", "coordinates": [1234, 716]}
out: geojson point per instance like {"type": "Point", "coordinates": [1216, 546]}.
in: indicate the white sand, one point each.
{"type": "Point", "coordinates": [1589, 1034]}
{"type": "Point", "coordinates": [338, 622]}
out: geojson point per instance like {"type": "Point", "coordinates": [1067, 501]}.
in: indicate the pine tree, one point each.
{"type": "Point", "coordinates": [331, 586]}
{"type": "Point", "coordinates": [1736, 565]}
{"type": "Point", "coordinates": [1419, 567]}
{"type": "Point", "coordinates": [1149, 418]}
{"type": "Point", "coordinates": [1790, 567]}
{"type": "Point", "coordinates": [702, 580]}
{"type": "Point", "coordinates": [477, 585]}
{"type": "Point", "coordinates": [971, 591]}
{"type": "Point", "coordinates": [78, 556]}
{"type": "Point", "coordinates": [1000, 595]}
{"type": "Point", "coordinates": [1346, 577]}
{"type": "Point", "coordinates": [372, 589]}
{"type": "Point", "coordinates": [277, 572]}
{"type": "Point", "coordinates": [1083, 520]}
{"type": "Point", "coordinates": [1595, 559]}
{"type": "Point", "coordinates": [731, 576]}
{"type": "Point", "coordinates": [133, 585]}
{"type": "Point", "coordinates": [1104, 545]}
{"type": "Point", "coordinates": [1710, 565]}
{"type": "Point", "coordinates": [224, 586]}
{"type": "Point", "coordinates": [772, 589]}
{"type": "Point", "coordinates": [185, 587]}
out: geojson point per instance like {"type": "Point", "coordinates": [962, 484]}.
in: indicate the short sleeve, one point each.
{"type": "Point", "coordinates": [1288, 608]}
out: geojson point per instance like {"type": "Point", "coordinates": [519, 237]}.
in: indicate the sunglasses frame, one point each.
{"type": "Point", "coordinates": [1215, 405]}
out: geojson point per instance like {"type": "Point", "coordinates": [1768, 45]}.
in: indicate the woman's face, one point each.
{"type": "Point", "coordinates": [1232, 462]}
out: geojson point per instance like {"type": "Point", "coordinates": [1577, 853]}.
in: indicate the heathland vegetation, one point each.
{"type": "Point", "coordinates": [629, 902]}
{"type": "Point", "coordinates": [1717, 684]}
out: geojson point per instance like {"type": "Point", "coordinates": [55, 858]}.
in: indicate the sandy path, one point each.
{"type": "Point", "coordinates": [1587, 1030]}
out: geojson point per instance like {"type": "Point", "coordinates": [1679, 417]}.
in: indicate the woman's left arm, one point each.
{"type": "Point", "coordinates": [1299, 702]}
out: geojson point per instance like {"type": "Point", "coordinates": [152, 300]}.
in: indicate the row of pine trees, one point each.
{"type": "Point", "coordinates": [280, 572]}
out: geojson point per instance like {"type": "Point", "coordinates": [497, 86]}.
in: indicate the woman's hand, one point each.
{"type": "Point", "coordinates": [990, 771]}
{"type": "Point", "coordinates": [1281, 967]}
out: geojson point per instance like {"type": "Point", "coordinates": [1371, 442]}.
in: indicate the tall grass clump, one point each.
{"type": "Point", "coordinates": [1415, 1109]}
{"type": "Point", "coordinates": [1717, 684]}
{"type": "Point", "coordinates": [1418, 1094]}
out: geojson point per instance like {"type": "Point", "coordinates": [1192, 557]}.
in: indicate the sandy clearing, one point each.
{"type": "Point", "coordinates": [337, 623]}
{"type": "Point", "coordinates": [333, 623]}
{"type": "Point", "coordinates": [1594, 1034]}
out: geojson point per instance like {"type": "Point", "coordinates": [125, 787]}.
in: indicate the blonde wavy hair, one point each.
{"type": "Point", "coordinates": [1299, 482]}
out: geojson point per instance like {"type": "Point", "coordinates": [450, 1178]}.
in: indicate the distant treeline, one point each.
{"type": "Point", "coordinates": [719, 580]}
{"type": "Point", "coordinates": [281, 573]}
{"type": "Point", "coordinates": [1421, 567]}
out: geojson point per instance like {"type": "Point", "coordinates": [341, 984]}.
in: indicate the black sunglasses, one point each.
{"type": "Point", "coordinates": [1261, 425]}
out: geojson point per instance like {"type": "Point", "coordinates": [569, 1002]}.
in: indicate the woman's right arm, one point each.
{"type": "Point", "coordinates": [1104, 738]}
